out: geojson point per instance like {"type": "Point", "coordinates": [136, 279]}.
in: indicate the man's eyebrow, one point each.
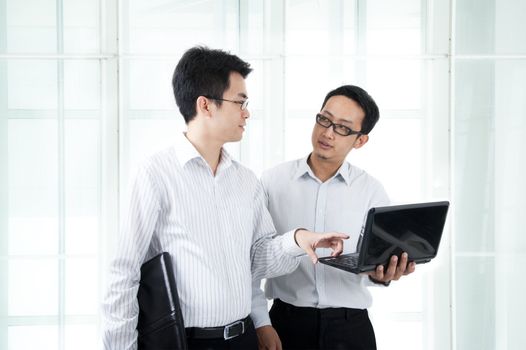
{"type": "Point", "coordinates": [328, 112]}
{"type": "Point", "coordinates": [242, 94]}
{"type": "Point", "coordinates": [339, 120]}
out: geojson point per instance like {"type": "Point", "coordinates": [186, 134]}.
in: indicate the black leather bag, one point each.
{"type": "Point", "coordinates": [160, 324]}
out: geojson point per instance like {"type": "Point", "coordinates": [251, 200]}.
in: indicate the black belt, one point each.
{"type": "Point", "coordinates": [229, 331]}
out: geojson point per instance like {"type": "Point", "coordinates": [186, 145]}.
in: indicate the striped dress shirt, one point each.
{"type": "Point", "coordinates": [217, 230]}
{"type": "Point", "coordinates": [295, 196]}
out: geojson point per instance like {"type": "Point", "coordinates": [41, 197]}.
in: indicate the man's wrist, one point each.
{"type": "Point", "coordinates": [295, 233]}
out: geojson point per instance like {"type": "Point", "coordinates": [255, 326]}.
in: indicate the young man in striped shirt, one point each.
{"type": "Point", "coordinates": [208, 211]}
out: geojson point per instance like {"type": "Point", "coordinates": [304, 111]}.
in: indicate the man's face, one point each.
{"type": "Point", "coordinates": [330, 146]}
{"type": "Point", "coordinates": [229, 120]}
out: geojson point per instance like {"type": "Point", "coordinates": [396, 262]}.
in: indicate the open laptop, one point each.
{"type": "Point", "coordinates": [412, 228]}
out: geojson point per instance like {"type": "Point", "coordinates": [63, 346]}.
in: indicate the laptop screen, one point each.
{"type": "Point", "coordinates": [413, 229]}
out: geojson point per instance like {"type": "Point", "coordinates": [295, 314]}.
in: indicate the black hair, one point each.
{"type": "Point", "coordinates": [365, 101]}
{"type": "Point", "coordinates": [204, 72]}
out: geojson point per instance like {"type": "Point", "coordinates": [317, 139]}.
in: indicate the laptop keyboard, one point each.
{"type": "Point", "coordinates": [347, 260]}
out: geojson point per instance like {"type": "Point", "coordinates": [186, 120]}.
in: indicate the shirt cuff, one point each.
{"type": "Point", "coordinates": [289, 244]}
{"type": "Point", "coordinates": [260, 317]}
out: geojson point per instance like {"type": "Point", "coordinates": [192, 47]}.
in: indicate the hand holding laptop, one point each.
{"type": "Point", "coordinates": [394, 271]}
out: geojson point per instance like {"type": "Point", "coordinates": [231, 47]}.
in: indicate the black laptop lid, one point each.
{"type": "Point", "coordinates": [412, 228]}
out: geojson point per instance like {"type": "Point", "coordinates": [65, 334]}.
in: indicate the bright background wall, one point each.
{"type": "Point", "coordinates": [85, 95]}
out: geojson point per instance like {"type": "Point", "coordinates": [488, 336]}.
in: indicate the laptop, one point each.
{"type": "Point", "coordinates": [412, 228]}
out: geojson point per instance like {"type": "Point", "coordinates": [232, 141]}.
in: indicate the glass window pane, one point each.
{"type": "Point", "coordinates": [255, 86]}
{"type": "Point", "coordinates": [32, 287]}
{"type": "Point", "coordinates": [82, 286]}
{"type": "Point", "coordinates": [82, 85]}
{"type": "Point", "coordinates": [298, 141]}
{"type": "Point", "coordinates": [393, 27]}
{"type": "Point", "coordinates": [400, 297]}
{"type": "Point", "coordinates": [509, 18]}
{"type": "Point", "coordinates": [401, 167]}
{"type": "Point", "coordinates": [32, 84]}
{"type": "Point", "coordinates": [388, 334]}
{"type": "Point", "coordinates": [253, 146]}
{"type": "Point", "coordinates": [395, 84]}
{"type": "Point", "coordinates": [509, 302]}
{"type": "Point", "coordinates": [320, 71]}
{"type": "Point", "coordinates": [474, 155]}
{"type": "Point", "coordinates": [490, 149]}
{"type": "Point", "coordinates": [350, 27]}
{"type": "Point", "coordinates": [147, 136]}
{"type": "Point", "coordinates": [144, 137]}
{"type": "Point", "coordinates": [149, 84]}
{"type": "Point", "coordinates": [484, 27]}
{"type": "Point", "coordinates": [320, 27]}
{"type": "Point", "coordinates": [33, 337]}
{"type": "Point", "coordinates": [252, 27]}
{"type": "Point", "coordinates": [31, 26]}
{"type": "Point", "coordinates": [81, 337]}
{"type": "Point", "coordinates": [475, 302]}
{"type": "Point", "coordinates": [33, 188]}
{"type": "Point", "coordinates": [82, 169]}
{"type": "Point", "coordinates": [510, 155]}
{"type": "Point", "coordinates": [308, 26]}
{"type": "Point", "coordinates": [161, 27]}
{"type": "Point", "coordinates": [81, 26]}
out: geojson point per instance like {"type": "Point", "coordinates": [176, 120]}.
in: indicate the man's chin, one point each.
{"type": "Point", "coordinates": [321, 155]}
{"type": "Point", "coordinates": [235, 139]}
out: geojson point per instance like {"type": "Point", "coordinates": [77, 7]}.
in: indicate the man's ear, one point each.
{"type": "Point", "coordinates": [203, 106]}
{"type": "Point", "coordinates": [360, 141]}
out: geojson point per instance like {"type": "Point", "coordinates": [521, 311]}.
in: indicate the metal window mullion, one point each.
{"type": "Point", "coordinates": [452, 170]}
{"type": "Point", "coordinates": [51, 319]}
{"type": "Point", "coordinates": [336, 38]}
{"type": "Point", "coordinates": [123, 68]}
{"type": "Point", "coordinates": [4, 189]}
{"type": "Point", "coordinates": [361, 40]}
{"type": "Point", "coordinates": [274, 92]}
{"type": "Point", "coordinates": [433, 134]}
{"type": "Point", "coordinates": [243, 11]}
{"type": "Point", "coordinates": [109, 138]}
{"type": "Point", "coordinates": [221, 23]}
{"type": "Point", "coordinates": [61, 177]}
{"type": "Point", "coordinates": [425, 127]}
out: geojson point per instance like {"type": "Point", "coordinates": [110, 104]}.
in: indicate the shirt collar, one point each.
{"type": "Point", "coordinates": [226, 160]}
{"type": "Point", "coordinates": [303, 168]}
{"type": "Point", "coordinates": [344, 172]}
{"type": "Point", "coordinates": [187, 152]}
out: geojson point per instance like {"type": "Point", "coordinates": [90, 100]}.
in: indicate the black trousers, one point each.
{"type": "Point", "coordinates": [245, 341]}
{"type": "Point", "coordinates": [311, 328]}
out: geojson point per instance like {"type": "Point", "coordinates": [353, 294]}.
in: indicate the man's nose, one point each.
{"type": "Point", "coordinates": [329, 132]}
{"type": "Point", "coordinates": [246, 114]}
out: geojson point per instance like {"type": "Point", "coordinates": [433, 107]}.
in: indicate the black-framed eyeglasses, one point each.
{"type": "Point", "coordinates": [243, 104]}
{"type": "Point", "coordinates": [338, 128]}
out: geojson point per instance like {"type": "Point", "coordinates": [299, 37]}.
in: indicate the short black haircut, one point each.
{"type": "Point", "coordinates": [204, 72]}
{"type": "Point", "coordinates": [360, 96]}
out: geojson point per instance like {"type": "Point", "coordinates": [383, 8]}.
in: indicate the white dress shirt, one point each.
{"type": "Point", "coordinates": [297, 198]}
{"type": "Point", "coordinates": [217, 230]}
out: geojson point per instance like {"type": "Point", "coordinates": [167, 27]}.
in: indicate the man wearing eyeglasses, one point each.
{"type": "Point", "coordinates": [317, 306]}
{"type": "Point", "coordinates": [195, 202]}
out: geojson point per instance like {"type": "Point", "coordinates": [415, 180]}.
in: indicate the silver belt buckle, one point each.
{"type": "Point", "coordinates": [226, 331]}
